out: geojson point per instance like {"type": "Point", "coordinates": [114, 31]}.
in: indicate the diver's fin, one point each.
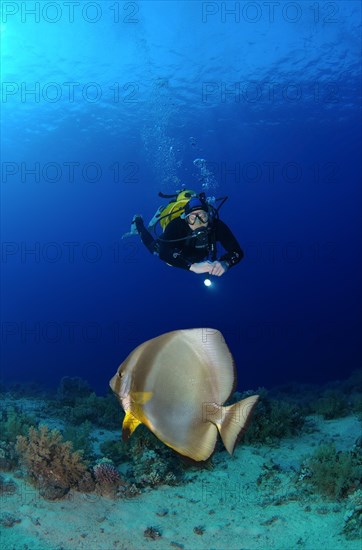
{"type": "Point", "coordinates": [232, 421]}
{"type": "Point", "coordinates": [133, 230]}
{"type": "Point", "coordinates": [156, 217]}
{"type": "Point", "coordinates": [129, 234]}
{"type": "Point", "coordinates": [137, 219]}
{"type": "Point", "coordinates": [129, 425]}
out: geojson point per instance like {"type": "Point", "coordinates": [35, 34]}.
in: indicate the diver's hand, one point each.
{"type": "Point", "coordinates": [201, 267]}
{"type": "Point", "coordinates": [218, 269]}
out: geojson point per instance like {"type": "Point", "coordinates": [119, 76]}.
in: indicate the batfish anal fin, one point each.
{"type": "Point", "coordinates": [129, 425]}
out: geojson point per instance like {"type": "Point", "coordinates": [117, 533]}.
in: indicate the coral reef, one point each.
{"type": "Point", "coordinates": [7, 486]}
{"type": "Point", "coordinates": [14, 422]}
{"type": "Point", "coordinates": [353, 382]}
{"type": "Point", "coordinates": [107, 477]}
{"type": "Point", "coordinates": [333, 400]}
{"type": "Point", "coordinates": [356, 403]}
{"type": "Point", "coordinates": [153, 470]}
{"type": "Point", "coordinates": [8, 520]}
{"type": "Point", "coordinates": [7, 456]}
{"type": "Point", "coordinates": [352, 528]}
{"type": "Point", "coordinates": [101, 411]}
{"type": "Point", "coordinates": [152, 533]}
{"type": "Point", "coordinates": [269, 476]}
{"type": "Point", "coordinates": [151, 462]}
{"type": "Point", "coordinates": [273, 419]}
{"type": "Point", "coordinates": [109, 483]}
{"type": "Point", "coordinates": [25, 389]}
{"type": "Point", "coordinates": [334, 474]}
{"type": "Point", "coordinates": [332, 404]}
{"type": "Point", "coordinates": [80, 437]}
{"type": "Point", "coordinates": [70, 389]}
{"type": "Point", "coordinates": [51, 463]}
{"type": "Point", "coordinates": [117, 450]}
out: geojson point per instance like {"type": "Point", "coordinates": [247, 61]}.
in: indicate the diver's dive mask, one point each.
{"type": "Point", "coordinates": [202, 216]}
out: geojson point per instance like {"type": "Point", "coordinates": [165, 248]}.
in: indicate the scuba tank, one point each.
{"type": "Point", "coordinates": [176, 207]}
{"type": "Point", "coordinates": [173, 209]}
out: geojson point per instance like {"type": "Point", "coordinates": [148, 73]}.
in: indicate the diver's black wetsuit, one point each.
{"type": "Point", "coordinates": [191, 250]}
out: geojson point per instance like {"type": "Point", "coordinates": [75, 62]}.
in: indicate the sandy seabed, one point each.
{"type": "Point", "coordinates": [252, 500]}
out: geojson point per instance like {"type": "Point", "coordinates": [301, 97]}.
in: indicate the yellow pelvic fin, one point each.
{"type": "Point", "coordinates": [129, 425]}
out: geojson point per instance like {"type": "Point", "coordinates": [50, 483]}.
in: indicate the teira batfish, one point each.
{"type": "Point", "coordinates": [176, 385]}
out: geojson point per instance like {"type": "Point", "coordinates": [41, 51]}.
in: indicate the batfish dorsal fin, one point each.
{"type": "Point", "coordinates": [129, 425]}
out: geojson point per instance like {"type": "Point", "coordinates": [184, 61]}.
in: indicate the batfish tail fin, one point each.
{"type": "Point", "coordinates": [233, 420]}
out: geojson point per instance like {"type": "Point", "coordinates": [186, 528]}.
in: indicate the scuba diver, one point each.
{"type": "Point", "coordinates": [191, 230]}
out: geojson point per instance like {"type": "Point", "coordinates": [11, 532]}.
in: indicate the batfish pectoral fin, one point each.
{"type": "Point", "coordinates": [129, 425]}
{"type": "Point", "coordinates": [233, 420]}
{"type": "Point", "coordinates": [141, 397]}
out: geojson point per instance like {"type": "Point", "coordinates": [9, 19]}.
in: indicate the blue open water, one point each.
{"type": "Point", "coordinates": [104, 104]}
